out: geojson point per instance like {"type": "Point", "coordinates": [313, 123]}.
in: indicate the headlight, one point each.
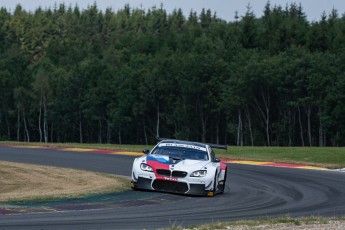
{"type": "Point", "coordinates": [146, 167]}
{"type": "Point", "coordinates": [199, 173]}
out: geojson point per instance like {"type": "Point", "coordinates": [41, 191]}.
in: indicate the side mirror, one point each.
{"type": "Point", "coordinates": [216, 160]}
{"type": "Point", "coordinates": [146, 151]}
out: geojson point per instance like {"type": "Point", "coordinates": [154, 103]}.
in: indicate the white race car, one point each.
{"type": "Point", "coordinates": [180, 167]}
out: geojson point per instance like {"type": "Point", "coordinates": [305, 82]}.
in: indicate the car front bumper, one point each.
{"type": "Point", "coordinates": [171, 186]}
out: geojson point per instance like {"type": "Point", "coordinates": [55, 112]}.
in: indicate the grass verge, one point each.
{"type": "Point", "coordinates": [327, 157]}
{"type": "Point", "coordinates": [28, 182]}
{"type": "Point", "coordinates": [275, 223]}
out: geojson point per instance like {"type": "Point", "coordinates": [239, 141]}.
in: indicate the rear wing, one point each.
{"type": "Point", "coordinates": [214, 146]}
{"type": "Point", "coordinates": [165, 139]}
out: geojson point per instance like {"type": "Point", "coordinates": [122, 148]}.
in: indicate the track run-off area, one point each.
{"type": "Point", "coordinates": [252, 191]}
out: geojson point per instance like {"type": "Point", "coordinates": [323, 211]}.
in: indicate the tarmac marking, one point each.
{"type": "Point", "coordinates": [246, 162]}
{"type": "Point", "coordinates": [273, 164]}
{"type": "Point", "coordinates": [28, 147]}
{"type": "Point", "coordinates": [102, 151]}
{"type": "Point", "coordinates": [129, 153]}
{"type": "Point", "coordinates": [77, 149]}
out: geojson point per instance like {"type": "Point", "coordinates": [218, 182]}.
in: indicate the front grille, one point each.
{"type": "Point", "coordinates": [163, 172]}
{"type": "Point", "coordinates": [180, 174]}
{"type": "Point", "coordinates": [170, 186]}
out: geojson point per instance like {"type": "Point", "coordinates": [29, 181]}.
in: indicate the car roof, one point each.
{"type": "Point", "coordinates": [184, 142]}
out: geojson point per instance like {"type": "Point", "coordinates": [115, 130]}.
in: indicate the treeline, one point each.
{"type": "Point", "coordinates": [72, 75]}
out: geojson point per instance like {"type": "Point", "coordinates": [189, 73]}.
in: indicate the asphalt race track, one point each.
{"type": "Point", "coordinates": [252, 191]}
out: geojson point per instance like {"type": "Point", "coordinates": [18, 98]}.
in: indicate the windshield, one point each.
{"type": "Point", "coordinates": [180, 153]}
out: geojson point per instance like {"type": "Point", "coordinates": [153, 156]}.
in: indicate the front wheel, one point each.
{"type": "Point", "coordinates": [223, 182]}
{"type": "Point", "coordinates": [133, 186]}
{"type": "Point", "coordinates": [214, 190]}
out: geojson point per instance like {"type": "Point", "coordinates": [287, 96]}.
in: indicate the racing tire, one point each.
{"type": "Point", "coordinates": [224, 181]}
{"type": "Point", "coordinates": [133, 186]}
{"type": "Point", "coordinates": [215, 185]}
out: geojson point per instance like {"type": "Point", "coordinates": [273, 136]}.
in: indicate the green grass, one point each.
{"type": "Point", "coordinates": [329, 157]}
{"type": "Point", "coordinates": [268, 222]}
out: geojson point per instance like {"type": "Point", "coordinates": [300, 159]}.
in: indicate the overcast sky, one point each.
{"type": "Point", "coordinates": [225, 9]}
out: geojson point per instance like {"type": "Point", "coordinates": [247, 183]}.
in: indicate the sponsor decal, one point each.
{"type": "Point", "coordinates": [170, 178]}
{"type": "Point", "coordinates": [159, 158]}
{"type": "Point", "coordinates": [158, 162]}
{"type": "Point", "coordinates": [183, 146]}
{"type": "Point", "coordinates": [157, 165]}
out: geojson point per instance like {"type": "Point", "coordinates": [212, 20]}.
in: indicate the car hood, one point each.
{"type": "Point", "coordinates": [159, 161]}
{"type": "Point", "coordinates": [187, 162]}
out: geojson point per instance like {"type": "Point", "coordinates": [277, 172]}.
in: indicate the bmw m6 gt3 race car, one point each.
{"type": "Point", "coordinates": [180, 167]}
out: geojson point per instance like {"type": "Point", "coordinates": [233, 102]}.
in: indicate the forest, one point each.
{"type": "Point", "coordinates": [91, 76]}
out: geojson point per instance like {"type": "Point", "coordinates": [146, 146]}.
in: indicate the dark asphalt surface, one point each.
{"type": "Point", "coordinates": [252, 191]}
